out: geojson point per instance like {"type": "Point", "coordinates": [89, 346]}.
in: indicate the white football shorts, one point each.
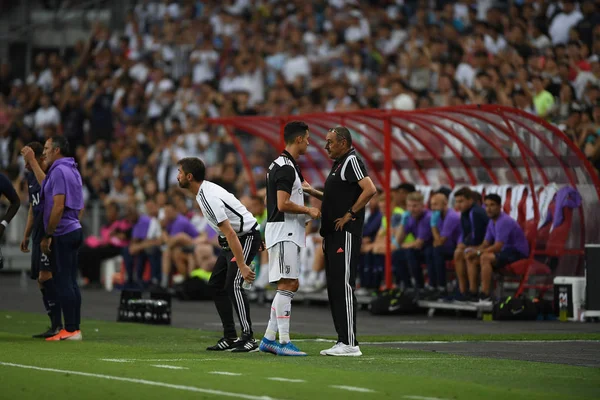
{"type": "Point", "coordinates": [284, 261]}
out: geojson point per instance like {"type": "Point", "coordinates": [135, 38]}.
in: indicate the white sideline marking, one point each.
{"type": "Point", "coordinates": [353, 389]}
{"type": "Point", "coordinates": [125, 360]}
{"type": "Point", "coordinates": [455, 341]}
{"type": "Point", "coordinates": [286, 380]}
{"type": "Point", "coordinates": [168, 366]}
{"type": "Point", "coordinates": [224, 373]}
{"type": "Point", "coordinates": [142, 382]}
{"type": "Point", "coordinates": [422, 398]}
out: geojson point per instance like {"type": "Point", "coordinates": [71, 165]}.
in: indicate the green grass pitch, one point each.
{"type": "Point", "coordinates": [131, 361]}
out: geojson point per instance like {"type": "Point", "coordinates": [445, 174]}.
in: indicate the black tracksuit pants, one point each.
{"type": "Point", "coordinates": [226, 281]}
{"type": "Point", "coordinates": [342, 253]}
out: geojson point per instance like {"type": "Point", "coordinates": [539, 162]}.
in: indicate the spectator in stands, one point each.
{"type": "Point", "coordinates": [114, 236]}
{"type": "Point", "coordinates": [473, 222]}
{"type": "Point", "coordinates": [412, 255]}
{"type": "Point", "coordinates": [504, 244]}
{"type": "Point", "coordinates": [178, 243]}
{"type": "Point", "coordinates": [445, 228]}
{"type": "Point", "coordinates": [144, 248]}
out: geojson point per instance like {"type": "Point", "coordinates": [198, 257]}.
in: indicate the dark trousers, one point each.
{"type": "Point", "coordinates": [226, 282]}
{"type": "Point", "coordinates": [138, 262]}
{"type": "Point", "coordinates": [436, 267]}
{"type": "Point", "coordinates": [64, 262]}
{"type": "Point", "coordinates": [90, 259]}
{"type": "Point", "coordinates": [408, 263]}
{"type": "Point", "coordinates": [342, 254]}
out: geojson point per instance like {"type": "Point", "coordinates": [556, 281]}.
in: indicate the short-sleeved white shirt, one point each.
{"type": "Point", "coordinates": [217, 205]}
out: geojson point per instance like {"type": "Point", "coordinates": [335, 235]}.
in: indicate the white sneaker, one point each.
{"type": "Point", "coordinates": [324, 352]}
{"type": "Point", "coordinates": [343, 350]}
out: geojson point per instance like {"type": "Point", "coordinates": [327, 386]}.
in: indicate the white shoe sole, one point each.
{"type": "Point", "coordinates": [76, 337]}
{"type": "Point", "coordinates": [345, 354]}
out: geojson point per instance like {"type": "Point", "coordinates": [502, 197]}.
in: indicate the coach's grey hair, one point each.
{"type": "Point", "coordinates": [342, 133]}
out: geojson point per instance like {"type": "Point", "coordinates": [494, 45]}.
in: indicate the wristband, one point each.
{"type": "Point", "coordinates": [47, 235]}
{"type": "Point", "coordinates": [4, 223]}
{"type": "Point", "coordinates": [352, 213]}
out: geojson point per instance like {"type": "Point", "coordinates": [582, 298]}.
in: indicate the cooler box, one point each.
{"type": "Point", "coordinates": [570, 290]}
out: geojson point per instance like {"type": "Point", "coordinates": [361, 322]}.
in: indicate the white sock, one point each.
{"type": "Point", "coordinates": [164, 280]}
{"type": "Point", "coordinates": [283, 309]}
{"type": "Point", "coordinates": [271, 332]}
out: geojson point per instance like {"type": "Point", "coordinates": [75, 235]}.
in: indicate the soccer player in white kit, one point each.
{"type": "Point", "coordinates": [285, 235]}
{"type": "Point", "coordinates": [240, 240]}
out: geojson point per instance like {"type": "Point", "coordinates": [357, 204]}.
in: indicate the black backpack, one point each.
{"type": "Point", "coordinates": [515, 309]}
{"type": "Point", "coordinates": [393, 301]}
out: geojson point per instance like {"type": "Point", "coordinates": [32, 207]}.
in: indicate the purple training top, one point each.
{"type": "Point", "coordinates": [420, 228]}
{"type": "Point", "coordinates": [449, 227]}
{"type": "Point", "coordinates": [182, 224]}
{"type": "Point", "coordinates": [507, 230]}
{"type": "Point", "coordinates": [141, 228]}
{"type": "Point", "coordinates": [63, 178]}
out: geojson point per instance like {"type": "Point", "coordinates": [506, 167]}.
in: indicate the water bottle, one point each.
{"type": "Point", "coordinates": [247, 285]}
{"type": "Point", "coordinates": [563, 303]}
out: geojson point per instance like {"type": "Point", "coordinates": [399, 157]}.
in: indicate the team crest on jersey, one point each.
{"type": "Point", "coordinates": [287, 269]}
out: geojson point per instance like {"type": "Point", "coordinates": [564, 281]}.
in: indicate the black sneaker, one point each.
{"type": "Point", "coordinates": [224, 344]}
{"type": "Point", "coordinates": [49, 333]}
{"type": "Point", "coordinates": [485, 299]}
{"type": "Point", "coordinates": [246, 346]}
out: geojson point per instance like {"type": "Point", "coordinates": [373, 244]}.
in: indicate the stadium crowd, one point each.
{"type": "Point", "coordinates": [133, 101]}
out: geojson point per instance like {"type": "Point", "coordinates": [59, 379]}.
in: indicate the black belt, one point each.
{"type": "Point", "coordinates": [223, 241]}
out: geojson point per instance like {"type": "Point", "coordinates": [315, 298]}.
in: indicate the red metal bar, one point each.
{"type": "Point", "coordinates": [483, 136]}
{"type": "Point", "coordinates": [359, 148]}
{"type": "Point", "coordinates": [407, 152]}
{"type": "Point", "coordinates": [308, 156]}
{"type": "Point", "coordinates": [387, 132]}
{"type": "Point", "coordinates": [245, 161]}
{"type": "Point", "coordinates": [534, 195]}
{"type": "Point", "coordinates": [465, 142]}
{"type": "Point", "coordinates": [433, 154]}
{"type": "Point", "coordinates": [505, 130]}
{"type": "Point", "coordinates": [375, 143]}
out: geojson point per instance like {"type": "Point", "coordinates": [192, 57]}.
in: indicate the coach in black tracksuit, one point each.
{"type": "Point", "coordinates": [347, 190]}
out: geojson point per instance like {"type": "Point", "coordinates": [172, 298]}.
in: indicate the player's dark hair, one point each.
{"type": "Point", "coordinates": [495, 198]}
{"type": "Point", "coordinates": [477, 198]}
{"type": "Point", "coordinates": [194, 166]}
{"type": "Point", "coordinates": [293, 130]}
{"type": "Point", "coordinates": [407, 187]}
{"type": "Point", "coordinates": [37, 147]}
{"type": "Point", "coordinates": [61, 143]}
{"type": "Point", "coordinates": [464, 192]}
{"type": "Point", "coordinates": [342, 133]}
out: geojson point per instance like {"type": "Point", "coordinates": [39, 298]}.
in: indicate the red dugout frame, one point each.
{"type": "Point", "coordinates": [453, 146]}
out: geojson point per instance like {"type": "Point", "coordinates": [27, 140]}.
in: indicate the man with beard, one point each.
{"type": "Point", "coordinates": [240, 240]}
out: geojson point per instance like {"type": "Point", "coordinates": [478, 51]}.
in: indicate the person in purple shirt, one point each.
{"type": "Point", "coordinates": [62, 199]}
{"type": "Point", "coordinates": [41, 270]}
{"type": "Point", "coordinates": [179, 238]}
{"type": "Point", "coordinates": [504, 244]}
{"type": "Point", "coordinates": [411, 255]}
{"type": "Point", "coordinates": [146, 239]}
{"type": "Point", "coordinates": [445, 228]}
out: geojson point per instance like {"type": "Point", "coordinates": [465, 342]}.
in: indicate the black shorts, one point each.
{"type": "Point", "coordinates": [39, 261]}
{"type": "Point", "coordinates": [507, 257]}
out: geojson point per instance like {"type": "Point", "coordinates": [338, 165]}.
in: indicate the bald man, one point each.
{"type": "Point", "coordinates": [445, 228]}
